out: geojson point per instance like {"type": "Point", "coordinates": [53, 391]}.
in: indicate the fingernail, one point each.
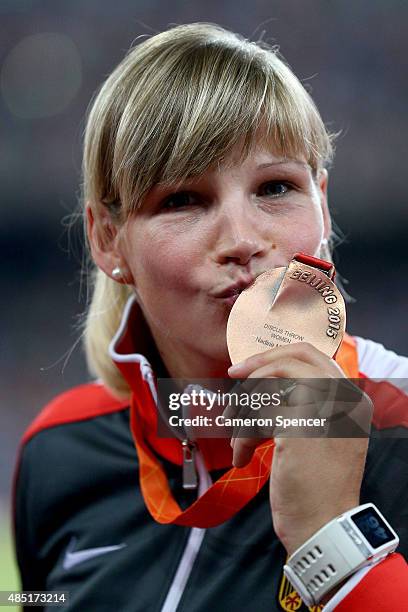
{"type": "Point", "coordinates": [236, 367]}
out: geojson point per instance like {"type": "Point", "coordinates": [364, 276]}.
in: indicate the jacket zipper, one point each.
{"type": "Point", "coordinates": [190, 480]}
{"type": "Point", "coordinates": [192, 548]}
{"type": "Point", "coordinates": [193, 462]}
{"type": "Point", "coordinates": [189, 449]}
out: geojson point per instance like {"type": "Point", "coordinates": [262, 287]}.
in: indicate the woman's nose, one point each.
{"type": "Point", "coordinates": [240, 238]}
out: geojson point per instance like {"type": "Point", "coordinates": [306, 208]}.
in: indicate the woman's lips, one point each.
{"type": "Point", "coordinates": [230, 301]}
{"type": "Point", "coordinates": [235, 288]}
{"type": "Point", "coordinates": [229, 295]}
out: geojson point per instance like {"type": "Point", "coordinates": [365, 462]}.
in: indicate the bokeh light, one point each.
{"type": "Point", "coordinates": [41, 75]}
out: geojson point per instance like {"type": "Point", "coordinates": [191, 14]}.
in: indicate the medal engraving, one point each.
{"type": "Point", "coordinates": [334, 322]}
{"type": "Point", "coordinates": [320, 286]}
{"type": "Point", "coordinates": [299, 303]}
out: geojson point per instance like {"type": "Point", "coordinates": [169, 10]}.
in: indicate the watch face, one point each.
{"type": "Point", "coordinates": [372, 527]}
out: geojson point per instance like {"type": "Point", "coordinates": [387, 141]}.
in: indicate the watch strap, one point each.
{"type": "Point", "coordinates": [324, 561]}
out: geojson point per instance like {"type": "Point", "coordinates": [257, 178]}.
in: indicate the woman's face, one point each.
{"type": "Point", "coordinates": [187, 250]}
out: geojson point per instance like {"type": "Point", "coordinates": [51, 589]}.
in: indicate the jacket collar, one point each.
{"type": "Point", "coordinates": [129, 350]}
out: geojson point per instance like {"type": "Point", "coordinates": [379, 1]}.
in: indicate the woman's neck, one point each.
{"type": "Point", "coordinates": [174, 361]}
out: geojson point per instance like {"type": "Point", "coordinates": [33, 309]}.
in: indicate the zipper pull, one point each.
{"type": "Point", "coordinates": [189, 469]}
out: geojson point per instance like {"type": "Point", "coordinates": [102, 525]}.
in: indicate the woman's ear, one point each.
{"type": "Point", "coordinates": [103, 237]}
{"type": "Point", "coordinates": [322, 183]}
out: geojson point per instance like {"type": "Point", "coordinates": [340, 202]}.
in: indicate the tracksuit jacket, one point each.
{"type": "Point", "coordinates": [82, 526]}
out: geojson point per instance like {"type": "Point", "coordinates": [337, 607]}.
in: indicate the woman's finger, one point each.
{"type": "Point", "coordinates": [243, 449]}
{"type": "Point", "coordinates": [290, 367]}
{"type": "Point", "coordinates": [302, 351]}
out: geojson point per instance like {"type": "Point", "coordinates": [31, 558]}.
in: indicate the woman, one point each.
{"type": "Point", "coordinates": [204, 166]}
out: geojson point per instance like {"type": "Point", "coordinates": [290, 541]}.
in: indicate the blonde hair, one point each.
{"type": "Point", "coordinates": [177, 104]}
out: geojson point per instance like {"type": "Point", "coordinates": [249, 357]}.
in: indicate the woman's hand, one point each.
{"type": "Point", "coordinates": [312, 480]}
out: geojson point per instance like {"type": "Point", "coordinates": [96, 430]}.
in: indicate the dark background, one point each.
{"type": "Point", "coordinates": [53, 55]}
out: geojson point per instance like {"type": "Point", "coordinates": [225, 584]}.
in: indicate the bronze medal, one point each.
{"type": "Point", "coordinates": [297, 303]}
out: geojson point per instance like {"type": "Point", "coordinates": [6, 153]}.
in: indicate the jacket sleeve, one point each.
{"type": "Point", "coordinates": [24, 511]}
{"type": "Point", "coordinates": [384, 588]}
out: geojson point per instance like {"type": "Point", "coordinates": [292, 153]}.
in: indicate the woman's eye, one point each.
{"type": "Point", "coordinates": [179, 200]}
{"type": "Point", "coordinates": [274, 189]}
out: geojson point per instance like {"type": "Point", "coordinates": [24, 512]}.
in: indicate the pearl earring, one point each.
{"type": "Point", "coordinates": [117, 273]}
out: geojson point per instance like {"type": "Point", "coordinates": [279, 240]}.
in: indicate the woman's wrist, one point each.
{"type": "Point", "coordinates": [294, 538]}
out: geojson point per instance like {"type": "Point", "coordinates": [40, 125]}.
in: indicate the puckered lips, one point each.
{"type": "Point", "coordinates": [230, 293]}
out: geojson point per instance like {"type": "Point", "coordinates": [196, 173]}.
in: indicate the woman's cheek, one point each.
{"type": "Point", "coordinates": [296, 242]}
{"type": "Point", "coordinates": [166, 262]}
{"type": "Point", "coordinates": [305, 234]}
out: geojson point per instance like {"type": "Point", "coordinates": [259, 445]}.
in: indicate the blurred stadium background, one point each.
{"type": "Point", "coordinates": [52, 58]}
